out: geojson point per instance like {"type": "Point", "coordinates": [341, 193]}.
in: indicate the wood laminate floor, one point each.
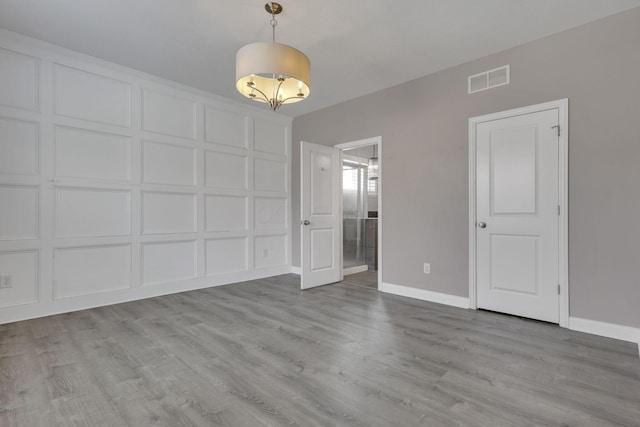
{"type": "Point", "coordinates": [367, 279]}
{"type": "Point", "coordinates": [264, 353]}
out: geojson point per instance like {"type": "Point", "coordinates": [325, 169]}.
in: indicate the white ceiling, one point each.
{"type": "Point", "coordinates": [355, 47]}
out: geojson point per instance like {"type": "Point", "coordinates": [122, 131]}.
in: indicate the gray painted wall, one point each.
{"type": "Point", "coordinates": [423, 124]}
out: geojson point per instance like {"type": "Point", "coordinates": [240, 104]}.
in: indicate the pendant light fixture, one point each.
{"type": "Point", "coordinates": [272, 73]}
{"type": "Point", "coordinates": [372, 169]}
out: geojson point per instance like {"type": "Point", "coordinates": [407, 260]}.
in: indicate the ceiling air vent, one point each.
{"type": "Point", "coordinates": [489, 79]}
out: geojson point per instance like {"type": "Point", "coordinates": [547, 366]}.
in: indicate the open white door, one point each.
{"type": "Point", "coordinates": [320, 210]}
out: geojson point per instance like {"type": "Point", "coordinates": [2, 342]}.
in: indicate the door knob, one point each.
{"type": "Point", "coordinates": [305, 222]}
{"type": "Point", "coordinates": [482, 224]}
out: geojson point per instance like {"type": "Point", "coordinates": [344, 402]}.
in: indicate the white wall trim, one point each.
{"type": "Point", "coordinates": [604, 329]}
{"type": "Point", "coordinates": [57, 105]}
{"type": "Point", "coordinates": [354, 270]}
{"type": "Point", "coordinates": [296, 270]}
{"type": "Point", "coordinates": [42, 49]}
{"type": "Point", "coordinates": [424, 295]}
{"type": "Point", "coordinates": [65, 305]}
{"type": "Point", "coordinates": [563, 112]}
{"type": "Point", "coordinates": [610, 330]}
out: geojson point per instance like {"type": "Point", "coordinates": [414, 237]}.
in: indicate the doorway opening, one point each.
{"type": "Point", "coordinates": [321, 208]}
{"type": "Point", "coordinates": [360, 212]}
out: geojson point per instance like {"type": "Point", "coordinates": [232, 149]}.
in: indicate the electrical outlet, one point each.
{"type": "Point", "coordinates": [265, 253]}
{"type": "Point", "coordinates": [427, 268]}
{"type": "Point", "coordinates": [6, 281]}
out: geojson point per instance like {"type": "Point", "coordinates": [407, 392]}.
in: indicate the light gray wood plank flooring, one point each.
{"type": "Point", "coordinates": [368, 279]}
{"type": "Point", "coordinates": [264, 353]}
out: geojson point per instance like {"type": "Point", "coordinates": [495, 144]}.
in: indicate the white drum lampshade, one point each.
{"type": "Point", "coordinates": [273, 71]}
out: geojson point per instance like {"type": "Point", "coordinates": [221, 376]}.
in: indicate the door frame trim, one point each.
{"type": "Point", "coordinates": [563, 186]}
{"type": "Point", "coordinates": [376, 140]}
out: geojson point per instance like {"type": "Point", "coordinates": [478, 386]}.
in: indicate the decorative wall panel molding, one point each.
{"type": "Point", "coordinates": [81, 153]}
{"type": "Point", "coordinates": [226, 255]}
{"type": "Point", "coordinates": [92, 212]}
{"type": "Point", "coordinates": [19, 149]}
{"type": "Point", "coordinates": [271, 213]}
{"type": "Point", "coordinates": [168, 115]}
{"type": "Point", "coordinates": [225, 213]}
{"type": "Point", "coordinates": [91, 270]}
{"type": "Point", "coordinates": [224, 170]}
{"type": "Point", "coordinates": [271, 175]}
{"type": "Point", "coordinates": [168, 164]}
{"type": "Point", "coordinates": [19, 212]}
{"type": "Point", "coordinates": [270, 251]}
{"type": "Point", "coordinates": [19, 85]}
{"type": "Point", "coordinates": [226, 127]}
{"type": "Point", "coordinates": [167, 261]}
{"type": "Point", "coordinates": [116, 185]}
{"type": "Point", "coordinates": [88, 96]}
{"type": "Point", "coordinates": [270, 137]}
{"type": "Point", "coordinates": [22, 268]}
{"type": "Point", "coordinates": [167, 213]}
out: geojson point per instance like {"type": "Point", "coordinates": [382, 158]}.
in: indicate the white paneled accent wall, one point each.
{"type": "Point", "coordinates": [116, 185]}
{"type": "Point", "coordinates": [19, 152]}
{"type": "Point", "coordinates": [19, 211]}
{"type": "Point", "coordinates": [20, 82]}
{"type": "Point", "coordinates": [23, 268]}
{"type": "Point", "coordinates": [104, 268]}
{"type": "Point", "coordinates": [80, 153]}
{"type": "Point", "coordinates": [91, 212]}
{"type": "Point", "coordinates": [91, 97]}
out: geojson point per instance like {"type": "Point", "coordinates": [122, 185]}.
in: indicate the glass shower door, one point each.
{"type": "Point", "coordinates": [354, 205]}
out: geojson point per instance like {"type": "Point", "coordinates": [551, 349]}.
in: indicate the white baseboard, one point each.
{"type": "Point", "coordinates": [354, 270]}
{"type": "Point", "coordinates": [610, 330]}
{"type": "Point", "coordinates": [424, 295]}
{"type": "Point", "coordinates": [83, 302]}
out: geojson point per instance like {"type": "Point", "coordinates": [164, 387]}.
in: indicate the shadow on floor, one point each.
{"type": "Point", "coordinates": [367, 279]}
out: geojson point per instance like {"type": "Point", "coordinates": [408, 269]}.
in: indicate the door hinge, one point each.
{"type": "Point", "coordinates": [557, 128]}
{"type": "Point", "coordinates": [558, 210]}
{"type": "Point", "coordinates": [558, 289]}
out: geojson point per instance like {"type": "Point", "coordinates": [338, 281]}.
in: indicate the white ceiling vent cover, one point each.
{"type": "Point", "coordinates": [490, 79]}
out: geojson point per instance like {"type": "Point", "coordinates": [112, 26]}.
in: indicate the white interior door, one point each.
{"type": "Point", "coordinates": [320, 210]}
{"type": "Point", "coordinates": [517, 215]}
